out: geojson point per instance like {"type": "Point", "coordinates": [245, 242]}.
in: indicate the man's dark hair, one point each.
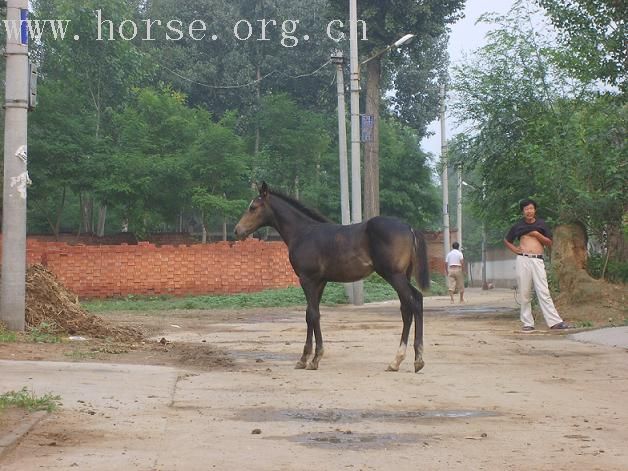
{"type": "Point", "coordinates": [527, 202]}
{"type": "Point", "coordinates": [455, 245]}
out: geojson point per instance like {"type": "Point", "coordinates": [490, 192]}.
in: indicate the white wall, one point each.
{"type": "Point", "coordinates": [500, 269]}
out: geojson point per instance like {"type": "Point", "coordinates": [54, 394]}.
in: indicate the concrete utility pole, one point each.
{"type": "Point", "coordinates": [13, 292]}
{"type": "Point", "coordinates": [338, 58]}
{"type": "Point", "coordinates": [459, 206]}
{"type": "Point", "coordinates": [356, 183]}
{"type": "Point", "coordinates": [443, 156]}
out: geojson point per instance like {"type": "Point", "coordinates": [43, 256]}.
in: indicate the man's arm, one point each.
{"type": "Point", "coordinates": [512, 247]}
{"type": "Point", "coordinates": [546, 241]}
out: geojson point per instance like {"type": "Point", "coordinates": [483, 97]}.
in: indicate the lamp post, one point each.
{"type": "Point", "coordinates": [337, 58]}
{"type": "Point", "coordinates": [356, 184]}
{"type": "Point", "coordinates": [445, 166]}
{"type": "Point", "coordinates": [459, 205]}
{"type": "Point", "coordinates": [484, 283]}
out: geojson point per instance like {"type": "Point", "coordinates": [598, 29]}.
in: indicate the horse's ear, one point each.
{"type": "Point", "coordinates": [263, 190]}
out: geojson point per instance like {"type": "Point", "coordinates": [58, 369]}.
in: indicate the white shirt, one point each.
{"type": "Point", "coordinates": [454, 257]}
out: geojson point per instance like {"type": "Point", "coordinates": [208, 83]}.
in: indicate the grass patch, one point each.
{"type": "Point", "coordinates": [44, 333]}
{"type": "Point", "coordinates": [375, 289]}
{"type": "Point", "coordinates": [6, 335]}
{"type": "Point", "coordinates": [28, 400]}
{"type": "Point", "coordinates": [78, 355]}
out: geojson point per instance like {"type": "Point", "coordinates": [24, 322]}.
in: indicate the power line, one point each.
{"type": "Point", "coordinates": [274, 72]}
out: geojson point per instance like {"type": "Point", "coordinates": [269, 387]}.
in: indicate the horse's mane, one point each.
{"type": "Point", "coordinates": [301, 207]}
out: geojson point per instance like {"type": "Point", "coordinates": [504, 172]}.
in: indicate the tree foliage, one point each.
{"type": "Point", "coordinates": [594, 32]}
{"type": "Point", "coordinates": [160, 134]}
{"type": "Point", "coordinates": [539, 131]}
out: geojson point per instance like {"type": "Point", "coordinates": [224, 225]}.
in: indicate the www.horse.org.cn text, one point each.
{"type": "Point", "coordinates": [287, 32]}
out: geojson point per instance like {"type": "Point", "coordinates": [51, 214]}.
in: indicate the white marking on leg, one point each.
{"type": "Point", "coordinates": [399, 357]}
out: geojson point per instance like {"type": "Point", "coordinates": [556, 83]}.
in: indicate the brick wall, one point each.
{"type": "Point", "coordinates": [145, 269]}
{"type": "Point", "coordinates": [99, 271]}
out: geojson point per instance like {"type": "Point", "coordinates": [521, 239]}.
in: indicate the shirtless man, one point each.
{"type": "Point", "coordinates": [533, 237]}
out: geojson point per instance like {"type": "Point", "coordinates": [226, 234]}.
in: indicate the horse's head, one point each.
{"type": "Point", "coordinates": [257, 215]}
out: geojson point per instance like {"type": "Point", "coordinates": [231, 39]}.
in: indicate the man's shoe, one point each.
{"type": "Point", "coordinates": [560, 326]}
{"type": "Point", "coordinates": [527, 329]}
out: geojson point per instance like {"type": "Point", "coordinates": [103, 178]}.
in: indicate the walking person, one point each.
{"type": "Point", "coordinates": [454, 267]}
{"type": "Point", "coordinates": [533, 235]}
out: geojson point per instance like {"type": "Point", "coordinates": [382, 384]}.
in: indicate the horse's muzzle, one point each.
{"type": "Point", "coordinates": [240, 233]}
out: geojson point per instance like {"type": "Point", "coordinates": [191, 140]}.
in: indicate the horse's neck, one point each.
{"type": "Point", "coordinates": [289, 221]}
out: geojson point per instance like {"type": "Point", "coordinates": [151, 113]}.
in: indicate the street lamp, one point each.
{"type": "Point", "coordinates": [399, 42]}
{"type": "Point", "coordinates": [484, 283]}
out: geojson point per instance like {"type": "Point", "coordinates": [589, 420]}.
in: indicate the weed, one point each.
{"type": "Point", "coordinates": [78, 355]}
{"type": "Point", "coordinates": [44, 333]}
{"type": "Point", "coordinates": [7, 335]}
{"type": "Point", "coordinates": [29, 401]}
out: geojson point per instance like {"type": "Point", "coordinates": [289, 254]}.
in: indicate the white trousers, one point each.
{"type": "Point", "coordinates": [531, 271]}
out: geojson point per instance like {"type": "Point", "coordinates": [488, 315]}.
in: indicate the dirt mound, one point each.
{"type": "Point", "coordinates": [49, 302]}
{"type": "Point", "coordinates": [606, 306]}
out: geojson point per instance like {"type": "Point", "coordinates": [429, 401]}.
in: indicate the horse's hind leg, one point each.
{"type": "Point", "coordinates": [403, 288]}
{"type": "Point", "coordinates": [417, 309]}
{"type": "Point", "coordinates": [406, 315]}
{"type": "Point", "coordinates": [313, 293]}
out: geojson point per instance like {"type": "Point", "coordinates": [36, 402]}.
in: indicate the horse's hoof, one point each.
{"type": "Point", "coordinates": [418, 365]}
{"type": "Point", "coordinates": [392, 368]}
{"type": "Point", "coordinates": [300, 365]}
{"type": "Point", "coordinates": [312, 366]}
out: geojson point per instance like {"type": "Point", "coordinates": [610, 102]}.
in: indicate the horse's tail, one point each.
{"type": "Point", "coordinates": [420, 261]}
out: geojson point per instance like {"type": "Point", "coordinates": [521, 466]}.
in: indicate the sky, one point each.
{"type": "Point", "coordinates": [465, 37]}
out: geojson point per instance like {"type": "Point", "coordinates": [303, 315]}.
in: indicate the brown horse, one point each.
{"type": "Point", "coordinates": [321, 251]}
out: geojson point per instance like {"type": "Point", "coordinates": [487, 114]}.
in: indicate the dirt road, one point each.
{"type": "Point", "coordinates": [488, 398]}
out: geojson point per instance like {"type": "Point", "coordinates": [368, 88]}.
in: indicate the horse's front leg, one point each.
{"type": "Point", "coordinates": [307, 349]}
{"type": "Point", "coordinates": [313, 293]}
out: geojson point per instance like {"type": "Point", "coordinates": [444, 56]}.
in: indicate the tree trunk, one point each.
{"type": "Point", "coordinates": [57, 226]}
{"type": "Point", "coordinates": [87, 210]}
{"type": "Point", "coordinates": [203, 228]}
{"type": "Point", "coordinates": [224, 229]}
{"type": "Point", "coordinates": [371, 148]}
{"type": "Point", "coordinates": [258, 99]}
{"type": "Point", "coordinates": [569, 261]}
{"type": "Point", "coordinates": [102, 218]}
